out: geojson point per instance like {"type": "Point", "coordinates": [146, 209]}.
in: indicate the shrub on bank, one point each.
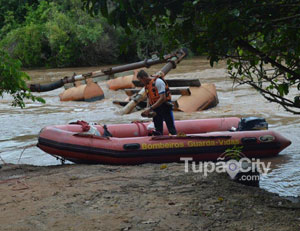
{"type": "Point", "coordinates": [60, 34]}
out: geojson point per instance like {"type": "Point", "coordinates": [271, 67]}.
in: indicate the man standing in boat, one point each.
{"type": "Point", "coordinates": [159, 98]}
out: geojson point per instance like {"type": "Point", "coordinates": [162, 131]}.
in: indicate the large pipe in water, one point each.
{"type": "Point", "coordinates": [109, 71]}
{"type": "Point", "coordinates": [172, 62]}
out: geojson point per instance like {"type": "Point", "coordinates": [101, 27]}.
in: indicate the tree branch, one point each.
{"type": "Point", "coordinates": [286, 18]}
{"type": "Point", "coordinates": [275, 98]}
{"type": "Point", "coordinates": [266, 58]}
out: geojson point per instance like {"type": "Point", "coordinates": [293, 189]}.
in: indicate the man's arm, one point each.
{"type": "Point", "coordinates": [160, 101]}
{"type": "Point", "coordinates": [161, 88]}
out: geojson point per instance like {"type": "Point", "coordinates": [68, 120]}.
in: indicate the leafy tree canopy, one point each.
{"type": "Point", "coordinates": [12, 81]}
{"type": "Point", "coordinates": [54, 33]}
{"type": "Point", "coordinates": [259, 38]}
{"type": "Point", "coordinates": [13, 12]}
{"type": "Point", "coordinates": [59, 34]}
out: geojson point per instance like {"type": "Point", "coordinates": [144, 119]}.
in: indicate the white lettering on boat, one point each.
{"type": "Point", "coordinates": [191, 144]}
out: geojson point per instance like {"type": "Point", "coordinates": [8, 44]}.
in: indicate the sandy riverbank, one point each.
{"type": "Point", "coordinates": [145, 197]}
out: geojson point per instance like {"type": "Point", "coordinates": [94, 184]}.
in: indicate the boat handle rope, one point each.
{"type": "Point", "coordinates": [137, 122]}
{"type": "Point", "coordinates": [84, 125]}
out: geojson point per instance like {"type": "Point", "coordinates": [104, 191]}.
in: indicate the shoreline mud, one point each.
{"type": "Point", "coordinates": [143, 197]}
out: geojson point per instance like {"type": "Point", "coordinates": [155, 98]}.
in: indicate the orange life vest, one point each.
{"type": "Point", "coordinates": [152, 91]}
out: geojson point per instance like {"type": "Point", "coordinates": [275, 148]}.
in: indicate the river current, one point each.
{"type": "Point", "coordinates": [20, 127]}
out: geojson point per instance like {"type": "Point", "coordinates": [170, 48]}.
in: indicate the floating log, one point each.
{"type": "Point", "coordinates": [175, 83]}
{"type": "Point", "coordinates": [174, 91]}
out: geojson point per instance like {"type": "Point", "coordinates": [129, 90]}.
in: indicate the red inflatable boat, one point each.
{"type": "Point", "coordinates": [202, 140]}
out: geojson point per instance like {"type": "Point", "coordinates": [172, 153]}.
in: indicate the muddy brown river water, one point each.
{"type": "Point", "coordinates": [20, 127]}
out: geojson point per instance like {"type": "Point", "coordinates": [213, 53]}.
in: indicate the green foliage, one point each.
{"type": "Point", "coordinates": [9, 23]}
{"type": "Point", "coordinates": [13, 12]}
{"type": "Point", "coordinates": [147, 43]}
{"type": "Point", "coordinates": [53, 33]}
{"type": "Point", "coordinates": [261, 38]}
{"type": "Point", "coordinates": [25, 44]}
{"type": "Point", "coordinates": [59, 34]}
{"type": "Point", "coordinates": [12, 81]}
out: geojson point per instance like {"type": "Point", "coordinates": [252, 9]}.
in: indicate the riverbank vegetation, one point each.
{"type": "Point", "coordinates": [259, 39]}
{"type": "Point", "coordinates": [57, 33]}
{"type": "Point", "coordinates": [13, 81]}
